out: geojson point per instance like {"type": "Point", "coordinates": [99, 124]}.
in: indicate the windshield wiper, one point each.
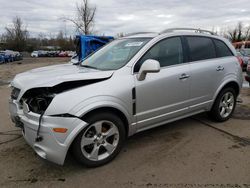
{"type": "Point", "coordinates": [88, 66]}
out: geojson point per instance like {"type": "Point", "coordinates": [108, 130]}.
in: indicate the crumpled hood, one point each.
{"type": "Point", "coordinates": [53, 75]}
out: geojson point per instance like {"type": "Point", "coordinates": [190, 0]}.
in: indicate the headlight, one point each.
{"type": "Point", "coordinates": [38, 99]}
{"type": "Point", "coordinates": [15, 93]}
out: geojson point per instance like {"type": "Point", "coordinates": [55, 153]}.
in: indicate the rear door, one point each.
{"type": "Point", "coordinates": [207, 70]}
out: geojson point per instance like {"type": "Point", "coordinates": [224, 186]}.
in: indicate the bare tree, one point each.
{"type": "Point", "coordinates": [84, 20]}
{"type": "Point", "coordinates": [247, 33]}
{"type": "Point", "coordinates": [16, 36]}
{"type": "Point", "coordinates": [236, 34]}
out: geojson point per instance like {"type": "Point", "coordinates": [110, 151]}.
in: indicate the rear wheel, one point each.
{"type": "Point", "coordinates": [101, 141]}
{"type": "Point", "coordinates": [224, 105]}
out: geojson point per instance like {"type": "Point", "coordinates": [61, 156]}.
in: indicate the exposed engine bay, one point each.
{"type": "Point", "coordinates": [38, 99]}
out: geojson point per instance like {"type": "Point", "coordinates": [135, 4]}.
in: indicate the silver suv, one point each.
{"type": "Point", "coordinates": [132, 84]}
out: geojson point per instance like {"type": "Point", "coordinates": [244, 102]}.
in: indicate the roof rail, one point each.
{"type": "Point", "coordinates": [137, 33]}
{"type": "Point", "coordinates": [186, 29]}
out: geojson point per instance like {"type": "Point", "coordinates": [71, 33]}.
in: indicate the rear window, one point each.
{"type": "Point", "coordinates": [200, 48]}
{"type": "Point", "coordinates": [222, 49]}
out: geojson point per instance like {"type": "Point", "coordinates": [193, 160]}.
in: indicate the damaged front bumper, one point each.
{"type": "Point", "coordinates": [54, 146]}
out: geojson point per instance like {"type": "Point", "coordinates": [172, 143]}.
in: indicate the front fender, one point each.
{"type": "Point", "coordinates": [94, 103]}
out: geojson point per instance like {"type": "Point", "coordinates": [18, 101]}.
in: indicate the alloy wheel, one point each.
{"type": "Point", "coordinates": [100, 140]}
{"type": "Point", "coordinates": [227, 103]}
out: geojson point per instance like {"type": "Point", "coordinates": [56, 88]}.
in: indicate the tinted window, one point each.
{"type": "Point", "coordinates": [222, 49]}
{"type": "Point", "coordinates": [167, 52]}
{"type": "Point", "coordinates": [201, 48]}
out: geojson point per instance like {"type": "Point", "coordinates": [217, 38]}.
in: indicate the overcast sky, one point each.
{"type": "Point", "coordinates": [115, 16]}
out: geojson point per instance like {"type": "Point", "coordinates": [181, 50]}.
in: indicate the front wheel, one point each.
{"type": "Point", "coordinates": [100, 141]}
{"type": "Point", "coordinates": [224, 105]}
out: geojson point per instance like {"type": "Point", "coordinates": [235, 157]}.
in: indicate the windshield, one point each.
{"type": "Point", "coordinates": [115, 55]}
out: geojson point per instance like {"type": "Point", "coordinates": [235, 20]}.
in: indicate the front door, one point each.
{"type": "Point", "coordinates": [164, 95]}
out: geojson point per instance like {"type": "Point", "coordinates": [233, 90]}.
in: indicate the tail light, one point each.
{"type": "Point", "coordinates": [248, 67]}
{"type": "Point", "coordinates": [240, 61]}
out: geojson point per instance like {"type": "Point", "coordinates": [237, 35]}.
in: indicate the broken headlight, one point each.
{"type": "Point", "coordinates": [15, 93]}
{"type": "Point", "coordinates": [38, 99]}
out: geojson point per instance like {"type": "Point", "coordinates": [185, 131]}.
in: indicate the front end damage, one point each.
{"type": "Point", "coordinates": [39, 130]}
{"type": "Point", "coordinates": [46, 121]}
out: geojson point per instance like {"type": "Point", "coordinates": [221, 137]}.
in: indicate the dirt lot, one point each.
{"type": "Point", "coordinates": [9, 70]}
{"type": "Point", "coordinates": [193, 152]}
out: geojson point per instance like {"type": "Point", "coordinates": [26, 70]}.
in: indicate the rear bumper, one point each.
{"type": "Point", "coordinates": [54, 146]}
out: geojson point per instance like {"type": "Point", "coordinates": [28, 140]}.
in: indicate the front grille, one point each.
{"type": "Point", "coordinates": [14, 93]}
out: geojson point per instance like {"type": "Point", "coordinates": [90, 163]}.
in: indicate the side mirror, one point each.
{"type": "Point", "coordinates": [149, 66]}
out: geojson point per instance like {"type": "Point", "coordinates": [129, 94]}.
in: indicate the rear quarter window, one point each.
{"type": "Point", "coordinates": [200, 48]}
{"type": "Point", "coordinates": [222, 49]}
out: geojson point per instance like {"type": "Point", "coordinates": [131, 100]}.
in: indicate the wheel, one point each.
{"type": "Point", "coordinates": [100, 141]}
{"type": "Point", "coordinates": [224, 105]}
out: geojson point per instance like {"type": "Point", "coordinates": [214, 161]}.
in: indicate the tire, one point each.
{"type": "Point", "coordinates": [95, 135]}
{"type": "Point", "coordinates": [217, 113]}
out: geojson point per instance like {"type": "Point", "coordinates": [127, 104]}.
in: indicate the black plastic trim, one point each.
{"type": "Point", "coordinates": [64, 115]}
{"type": "Point", "coordinates": [134, 101]}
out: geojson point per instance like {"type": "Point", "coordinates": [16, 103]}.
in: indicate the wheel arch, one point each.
{"type": "Point", "coordinates": [112, 110]}
{"type": "Point", "coordinates": [232, 84]}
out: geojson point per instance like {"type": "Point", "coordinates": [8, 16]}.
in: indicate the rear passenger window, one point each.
{"type": "Point", "coordinates": [168, 52]}
{"type": "Point", "coordinates": [201, 48]}
{"type": "Point", "coordinates": [222, 49]}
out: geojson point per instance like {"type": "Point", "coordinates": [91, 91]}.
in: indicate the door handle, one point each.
{"type": "Point", "coordinates": [184, 76]}
{"type": "Point", "coordinates": [219, 68]}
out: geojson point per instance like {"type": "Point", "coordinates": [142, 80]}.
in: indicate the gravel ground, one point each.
{"type": "Point", "coordinates": [193, 152]}
{"type": "Point", "coordinates": [9, 70]}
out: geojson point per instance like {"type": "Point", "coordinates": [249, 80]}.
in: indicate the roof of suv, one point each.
{"type": "Point", "coordinates": [171, 31]}
{"type": "Point", "coordinates": [180, 32]}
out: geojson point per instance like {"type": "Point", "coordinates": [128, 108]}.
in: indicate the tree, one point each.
{"type": "Point", "coordinates": [84, 20]}
{"type": "Point", "coordinates": [247, 33]}
{"type": "Point", "coordinates": [16, 36]}
{"type": "Point", "coordinates": [236, 34]}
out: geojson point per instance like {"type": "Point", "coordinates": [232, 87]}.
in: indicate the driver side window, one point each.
{"type": "Point", "coordinates": [168, 52]}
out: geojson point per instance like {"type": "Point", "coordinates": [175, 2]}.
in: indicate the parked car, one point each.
{"type": "Point", "coordinates": [17, 56]}
{"type": "Point", "coordinates": [11, 54]}
{"type": "Point", "coordinates": [52, 54]}
{"type": "Point", "coordinates": [242, 45]}
{"type": "Point", "coordinates": [42, 53]}
{"type": "Point", "coordinates": [34, 54]}
{"type": "Point", "coordinates": [2, 60]}
{"type": "Point", "coordinates": [7, 56]}
{"type": "Point", "coordinates": [130, 85]}
{"type": "Point", "coordinates": [63, 54]}
{"type": "Point", "coordinates": [247, 77]}
{"type": "Point", "coordinates": [71, 53]}
{"type": "Point", "coordinates": [245, 58]}
{"type": "Point", "coordinates": [241, 60]}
